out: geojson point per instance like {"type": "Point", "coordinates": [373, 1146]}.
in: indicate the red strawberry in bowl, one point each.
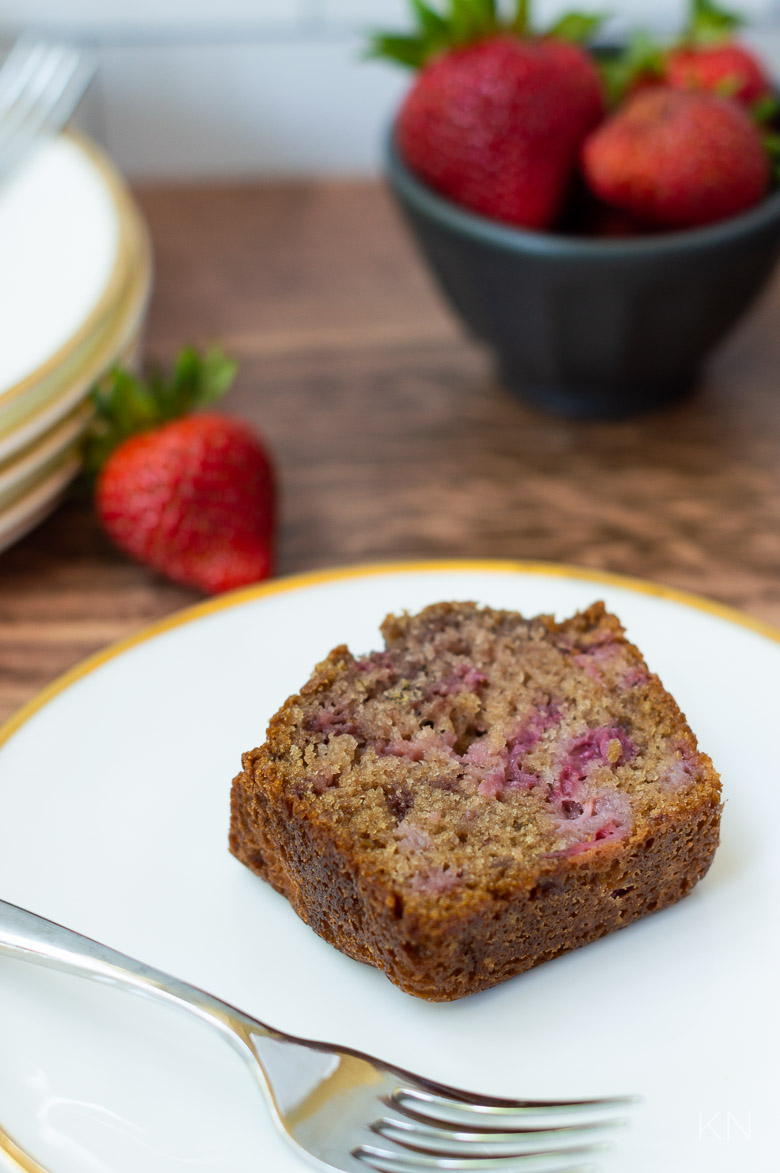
{"type": "Point", "coordinates": [708, 58]}
{"type": "Point", "coordinates": [191, 496]}
{"type": "Point", "coordinates": [728, 69]}
{"type": "Point", "coordinates": [496, 117]}
{"type": "Point", "coordinates": [677, 159]}
{"type": "Point", "coordinates": [612, 311]}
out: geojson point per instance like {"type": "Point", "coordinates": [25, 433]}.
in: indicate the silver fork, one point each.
{"type": "Point", "coordinates": [346, 1110]}
{"type": "Point", "coordinates": [40, 86]}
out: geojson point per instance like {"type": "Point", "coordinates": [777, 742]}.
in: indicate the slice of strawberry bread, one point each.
{"type": "Point", "coordinates": [486, 793]}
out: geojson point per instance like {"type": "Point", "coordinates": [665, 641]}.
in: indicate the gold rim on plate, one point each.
{"type": "Point", "coordinates": [18, 1157]}
{"type": "Point", "coordinates": [374, 569]}
{"type": "Point", "coordinates": [113, 289]}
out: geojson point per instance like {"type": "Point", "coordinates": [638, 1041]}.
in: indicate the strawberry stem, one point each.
{"type": "Point", "coordinates": [708, 23]}
{"type": "Point", "coordinates": [640, 59]}
{"type": "Point", "coordinates": [460, 22]}
{"type": "Point", "coordinates": [521, 21]}
{"type": "Point", "coordinates": [428, 20]}
{"type": "Point", "coordinates": [577, 27]}
{"type": "Point", "coordinates": [771, 141]}
{"type": "Point", "coordinates": [126, 404]}
{"type": "Point", "coordinates": [765, 110]}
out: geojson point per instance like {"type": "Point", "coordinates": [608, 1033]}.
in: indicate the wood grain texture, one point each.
{"type": "Point", "coordinates": [392, 438]}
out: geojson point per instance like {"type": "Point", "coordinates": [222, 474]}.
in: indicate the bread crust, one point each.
{"type": "Point", "coordinates": [444, 946]}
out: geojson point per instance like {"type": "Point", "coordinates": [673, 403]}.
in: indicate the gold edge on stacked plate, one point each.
{"type": "Point", "coordinates": [39, 451]}
{"type": "Point", "coordinates": [20, 474]}
{"type": "Point", "coordinates": [36, 504]}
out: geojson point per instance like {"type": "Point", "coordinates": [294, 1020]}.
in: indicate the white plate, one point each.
{"type": "Point", "coordinates": [114, 793]}
{"type": "Point", "coordinates": [25, 417]}
{"type": "Point", "coordinates": [60, 242]}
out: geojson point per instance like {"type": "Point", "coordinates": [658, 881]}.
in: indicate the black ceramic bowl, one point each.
{"type": "Point", "coordinates": [592, 327]}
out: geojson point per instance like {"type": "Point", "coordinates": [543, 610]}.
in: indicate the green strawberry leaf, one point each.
{"type": "Point", "coordinates": [728, 86]}
{"type": "Point", "coordinates": [771, 142]}
{"type": "Point", "coordinates": [578, 27]}
{"type": "Point", "coordinates": [410, 51]}
{"type": "Point", "coordinates": [126, 404]}
{"type": "Point", "coordinates": [708, 23]}
{"type": "Point", "coordinates": [522, 18]}
{"type": "Point", "coordinates": [462, 22]}
{"type": "Point", "coordinates": [641, 58]}
{"type": "Point", "coordinates": [197, 381]}
{"type": "Point", "coordinates": [486, 15]}
{"type": "Point", "coordinates": [765, 109]}
{"type": "Point", "coordinates": [429, 22]}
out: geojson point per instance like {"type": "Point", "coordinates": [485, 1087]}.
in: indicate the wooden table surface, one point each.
{"type": "Point", "coordinates": [392, 438]}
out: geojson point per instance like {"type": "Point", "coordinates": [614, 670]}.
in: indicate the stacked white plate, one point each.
{"type": "Point", "coordinates": [74, 285]}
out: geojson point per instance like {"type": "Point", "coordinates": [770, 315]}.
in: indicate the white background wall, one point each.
{"type": "Point", "coordinates": [221, 88]}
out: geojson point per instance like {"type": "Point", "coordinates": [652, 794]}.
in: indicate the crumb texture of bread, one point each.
{"type": "Point", "coordinates": [482, 795]}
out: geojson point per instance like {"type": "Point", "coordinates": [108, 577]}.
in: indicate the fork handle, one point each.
{"type": "Point", "coordinates": [24, 934]}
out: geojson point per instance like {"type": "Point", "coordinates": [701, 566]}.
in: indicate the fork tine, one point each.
{"type": "Point", "coordinates": [18, 53]}
{"type": "Point", "coordinates": [385, 1161]}
{"type": "Point", "coordinates": [33, 79]}
{"type": "Point", "coordinates": [18, 67]}
{"type": "Point", "coordinates": [501, 1113]}
{"type": "Point", "coordinates": [61, 101]}
{"type": "Point", "coordinates": [448, 1140]}
{"type": "Point", "coordinates": [67, 76]}
{"type": "Point", "coordinates": [32, 90]}
{"type": "Point", "coordinates": [477, 1131]}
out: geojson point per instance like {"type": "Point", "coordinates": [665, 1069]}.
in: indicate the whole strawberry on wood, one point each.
{"type": "Point", "coordinates": [496, 117]}
{"type": "Point", "coordinates": [190, 495]}
{"type": "Point", "coordinates": [677, 159]}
